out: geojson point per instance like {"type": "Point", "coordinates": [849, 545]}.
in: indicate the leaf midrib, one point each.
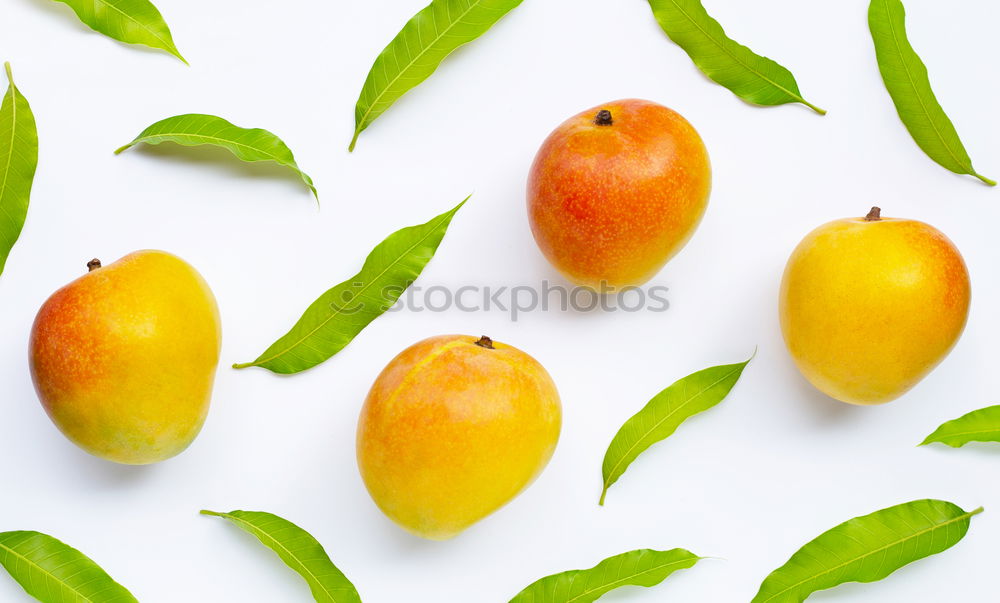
{"type": "Point", "coordinates": [913, 87]}
{"type": "Point", "coordinates": [10, 154]}
{"type": "Point", "coordinates": [216, 139]}
{"type": "Point", "coordinates": [959, 434]}
{"type": "Point", "coordinates": [624, 581]}
{"type": "Point", "coordinates": [52, 576]}
{"type": "Point", "coordinates": [723, 48]}
{"type": "Point", "coordinates": [368, 285]}
{"type": "Point", "coordinates": [918, 534]}
{"type": "Point", "coordinates": [413, 61]}
{"type": "Point", "coordinates": [278, 543]}
{"type": "Point", "coordinates": [664, 419]}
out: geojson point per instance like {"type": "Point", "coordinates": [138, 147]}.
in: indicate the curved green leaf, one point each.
{"type": "Point", "coordinates": [664, 414]}
{"type": "Point", "coordinates": [18, 160]}
{"type": "Point", "coordinates": [299, 550]}
{"type": "Point", "coordinates": [644, 567]}
{"type": "Point", "coordinates": [753, 78]}
{"type": "Point", "coordinates": [195, 129]}
{"type": "Point", "coordinates": [340, 314]}
{"type": "Point", "coordinates": [129, 21]}
{"type": "Point", "coordinates": [905, 77]}
{"type": "Point", "coordinates": [54, 572]}
{"type": "Point", "coordinates": [981, 425]}
{"type": "Point", "coordinates": [416, 51]}
{"type": "Point", "coordinates": [867, 549]}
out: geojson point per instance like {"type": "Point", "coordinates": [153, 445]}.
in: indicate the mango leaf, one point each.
{"type": "Point", "coordinates": [416, 51]}
{"type": "Point", "coordinates": [195, 129]}
{"type": "Point", "coordinates": [18, 159]}
{"type": "Point", "coordinates": [129, 21]}
{"type": "Point", "coordinates": [905, 77]}
{"type": "Point", "coordinates": [54, 572]}
{"type": "Point", "coordinates": [664, 414]}
{"type": "Point", "coordinates": [299, 550]}
{"type": "Point", "coordinates": [644, 567]}
{"type": "Point", "coordinates": [340, 314]}
{"type": "Point", "coordinates": [981, 425]}
{"type": "Point", "coordinates": [867, 549]}
{"type": "Point", "coordinates": [753, 78]}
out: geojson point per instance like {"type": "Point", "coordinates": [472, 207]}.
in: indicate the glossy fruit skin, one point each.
{"type": "Point", "coordinates": [124, 358]}
{"type": "Point", "coordinates": [451, 431]}
{"type": "Point", "coordinates": [869, 308]}
{"type": "Point", "coordinates": [609, 205]}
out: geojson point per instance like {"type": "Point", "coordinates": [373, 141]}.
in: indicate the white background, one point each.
{"type": "Point", "coordinates": [748, 482]}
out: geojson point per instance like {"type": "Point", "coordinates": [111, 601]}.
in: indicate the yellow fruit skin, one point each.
{"type": "Point", "coordinates": [869, 308]}
{"type": "Point", "coordinates": [124, 358]}
{"type": "Point", "coordinates": [451, 431]}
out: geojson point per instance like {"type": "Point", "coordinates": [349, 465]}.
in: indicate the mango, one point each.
{"type": "Point", "coordinates": [124, 358]}
{"type": "Point", "coordinates": [616, 191]}
{"type": "Point", "coordinates": [454, 428]}
{"type": "Point", "coordinates": [869, 306]}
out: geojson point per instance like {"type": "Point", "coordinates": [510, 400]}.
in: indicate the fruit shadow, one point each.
{"type": "Point", "coordinates": [222, 160]}
{"type": "Point", "coordinates": [821, 407]}
{"type": "Point", "coordinates": [99, 473]}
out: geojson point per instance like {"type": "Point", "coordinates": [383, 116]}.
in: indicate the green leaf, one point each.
{"type": "Point", "coordinates": [905, 77]}
{"type": "Point", "coordinates": [664, 414]}
{"type": "Point", "coordinates": [753, 78]}
{"type": "Point", "coordinates": [195, 129]}
{"type": "Point", "coordinates": [644, 567]}
{"type": "Point", "coordinates": [340, 314]}
{"type": "Point", "coordinates": [129, 21]}
{"type": "Point", "coordinates": [981, 425]}
{"type": "Point", "coordinates": [18, 159]}
{"type": "Point", "coordinates": [867, 549]}
{"type": "Point", "coordinates": [54, 572]}
{"type": "Point", "coordinates": [416, 51]}
{"type": "Point", "coordinates": [299, 550]}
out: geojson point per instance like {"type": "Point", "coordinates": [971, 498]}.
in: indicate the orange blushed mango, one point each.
{"type": "Point", "coordinates": [869, 306]}
{"type": "Point", "coordinates": [617, 191]}
{"type": "Point", "coordinates": [454, 428]}
{"type": "Point", "coordinates": [124, 358]}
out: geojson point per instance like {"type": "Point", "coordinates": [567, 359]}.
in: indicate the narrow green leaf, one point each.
{"type": "Point", "coordinates": [340, 314]}
{"type": "Point", "coordinates": [129, 21]}
{"type": "Point", "coordinates": [18, 160]}
{"type": "Point", "coordinates": [981, 425]}
{"type": "Point", "coordinates": [905, 77]}
{"type": "Point", "coordinates": [644, 567]}
{"type": "Point", "coordinates": [664, 414]}
{"type": "Point", "coordinates": [299, 550]}
{"type": "Point", "coordinates": [753, 78]}
{"type": "Point", "coordinates": [195, 129]}
{"type": "Point", "coordinates": [867, 549]}
{"type": "Point", "coordinates": [416, 51]}
{"type": "Point", "coordinates": [54, 572]}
